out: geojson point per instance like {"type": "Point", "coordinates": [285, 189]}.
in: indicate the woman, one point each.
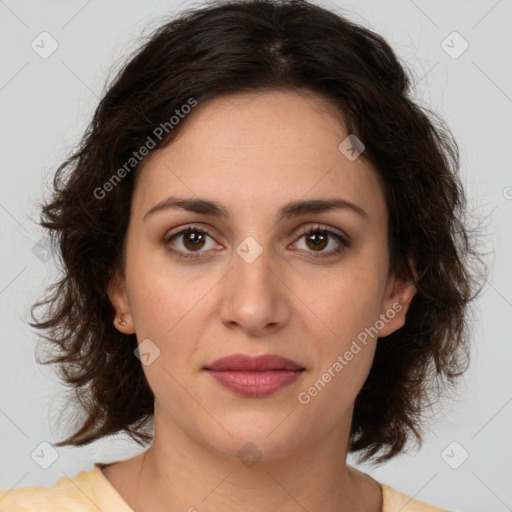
{"type": "Point", "coordinates": [265, 267]}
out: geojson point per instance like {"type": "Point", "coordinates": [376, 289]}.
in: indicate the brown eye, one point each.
{"type": "Point", "coordinates": [188, 241]}
{"type": "Point", "coordinates": [193, 240]}
{"type": "Point", "coordinates": [318, 238]}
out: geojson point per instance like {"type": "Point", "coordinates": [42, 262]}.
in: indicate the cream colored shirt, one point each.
{"type": "Point", "coordinates": [90, 491]}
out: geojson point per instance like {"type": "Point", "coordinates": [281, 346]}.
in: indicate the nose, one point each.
{"type": "Point", "coordinates": [255, 298]}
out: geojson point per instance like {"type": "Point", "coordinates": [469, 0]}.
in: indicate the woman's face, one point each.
{"type": "Point", "coordinates": [256, 284]}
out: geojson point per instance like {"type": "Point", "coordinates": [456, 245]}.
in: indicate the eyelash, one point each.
{"type": "Point", "coordinates": [344, 243]}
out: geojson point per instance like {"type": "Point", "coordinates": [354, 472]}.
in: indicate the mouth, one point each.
{"type": "Point", "coordinates": [255, 377]}
{"type": "Point", "coordinates": [245, 363]}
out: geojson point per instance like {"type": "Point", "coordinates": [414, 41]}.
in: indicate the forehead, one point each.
{"type": "Point", "coordinates": [260, 150]}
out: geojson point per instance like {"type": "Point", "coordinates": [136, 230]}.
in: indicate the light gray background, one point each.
{"type": "Point", "coordinates": [45, 106]}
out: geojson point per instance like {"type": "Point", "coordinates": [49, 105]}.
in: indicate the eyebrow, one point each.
{"type": "Point", "coordinates": [287, 211]}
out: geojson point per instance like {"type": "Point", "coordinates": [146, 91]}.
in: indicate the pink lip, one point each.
{"type": "Point", "coordinates": [255, 376]}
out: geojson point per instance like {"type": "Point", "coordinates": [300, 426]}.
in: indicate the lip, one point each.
{"type": "Point", "coordinates": [255, 376]}
{"type": "Point", "coordinates": [241, 362]}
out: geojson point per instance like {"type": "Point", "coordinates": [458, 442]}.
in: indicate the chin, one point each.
{"type": "Point", "coordinates": [257, 439]}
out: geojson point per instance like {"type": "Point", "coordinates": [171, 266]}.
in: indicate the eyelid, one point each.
{"type": "Point", "coordinates": [344, 240]}
{"type": "Point", "coordinates": [187, 228]}
{"type": "Point", "coordinates": [328, 229]}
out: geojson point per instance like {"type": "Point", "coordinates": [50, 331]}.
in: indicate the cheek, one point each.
{"type": "Point", "coordinates": [342, 311]}
{"type": "Point", "coordinates": [160, 289]}
{"type": "Point", "coordinates": [345, 302]}
{"type": "Point", "coordinates": [166, 302]}
{"type": "Point", "coordinates": [171, 318]}
{"type": "Point", "coordinates": [343, 356]}
{"type": "Point", "coordinates": [333, 385]}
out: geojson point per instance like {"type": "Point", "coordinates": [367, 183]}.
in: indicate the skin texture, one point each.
{"type": "Point", "coordinates": [253, 153]}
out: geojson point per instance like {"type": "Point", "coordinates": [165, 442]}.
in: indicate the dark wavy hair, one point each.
{"type": "Point", "coordinates": [256, 46]}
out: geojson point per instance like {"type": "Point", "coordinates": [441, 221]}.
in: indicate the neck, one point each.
{"type": "Point", "coordinates": [179, 473]}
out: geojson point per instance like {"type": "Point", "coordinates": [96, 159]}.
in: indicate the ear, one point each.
{"type": "Point", "coordinates": [398, 296]}
{"type": "Point", "coordinates": [123, 320]}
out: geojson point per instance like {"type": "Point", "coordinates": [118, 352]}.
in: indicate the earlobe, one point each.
{"type": "Point", "coordinates": [118, 296]}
